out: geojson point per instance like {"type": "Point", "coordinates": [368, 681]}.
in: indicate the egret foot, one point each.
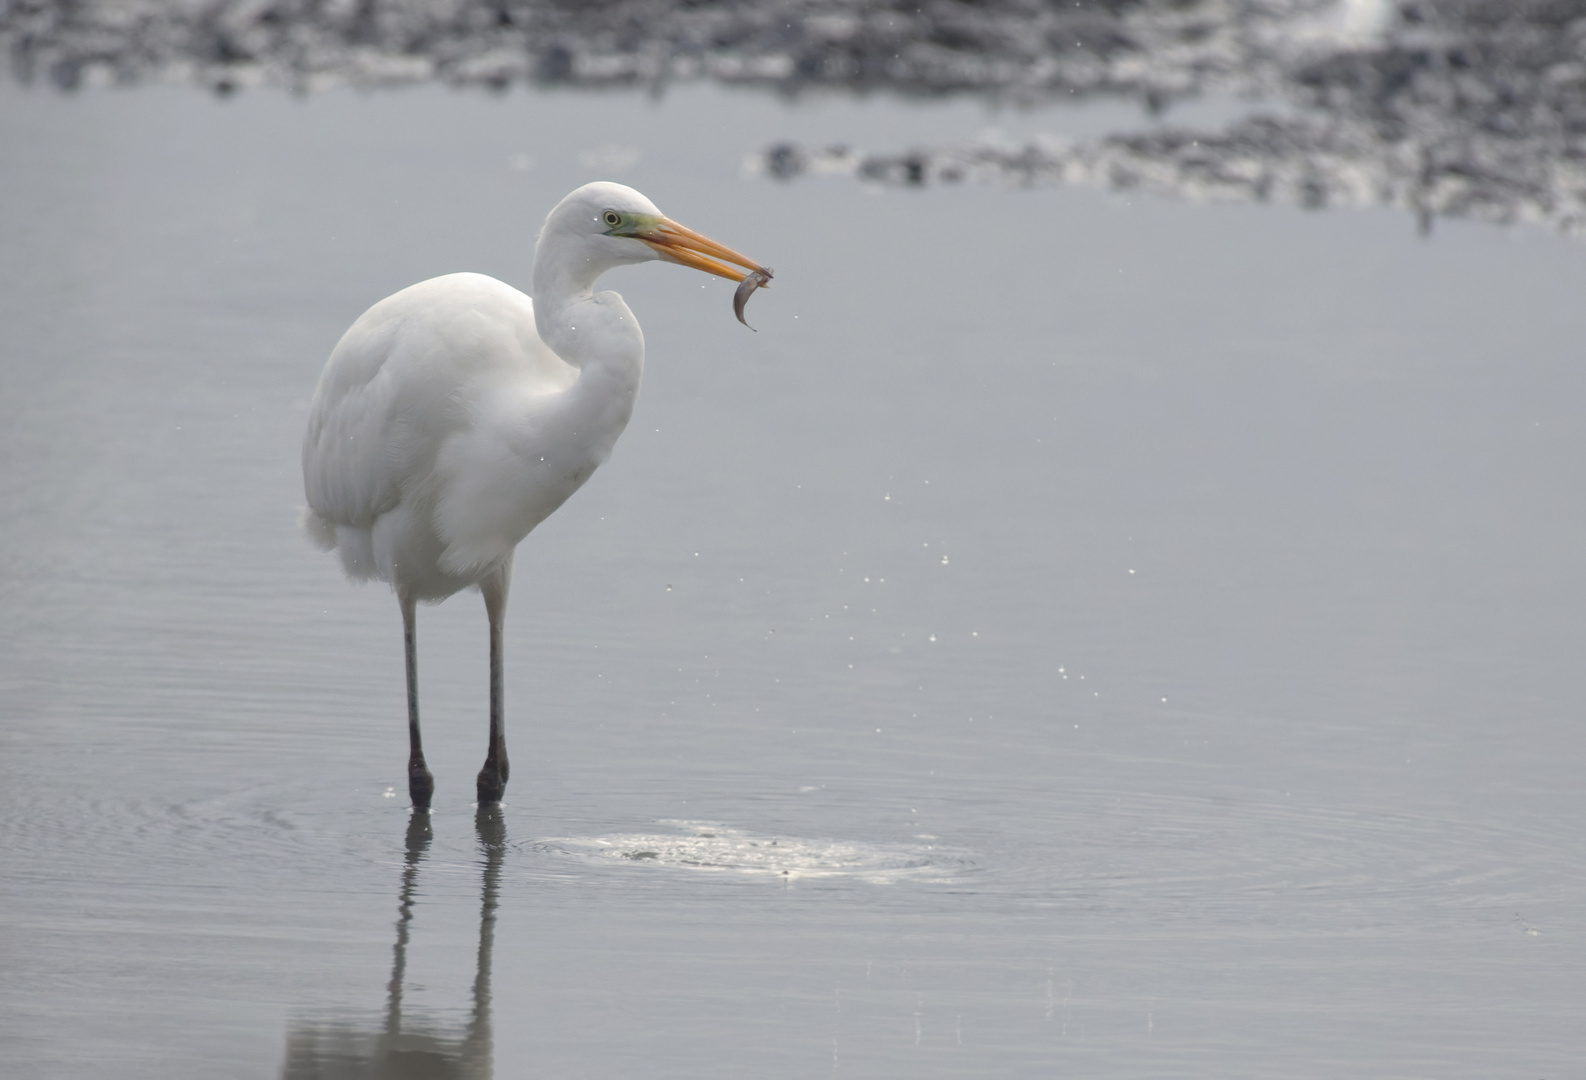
{"type": "Point", "coordinates": [492, 780]}
{"type": "Point", "coordinates": [421, 785]}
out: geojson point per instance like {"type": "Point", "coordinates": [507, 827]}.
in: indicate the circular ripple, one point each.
{"type": "Point", "coordinates": [1270, 860]}
{"type": "Point", "coordinates": [111, 842]}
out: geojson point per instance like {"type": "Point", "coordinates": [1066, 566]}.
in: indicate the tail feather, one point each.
{"type": "Point", "coordinates": [320, 532]}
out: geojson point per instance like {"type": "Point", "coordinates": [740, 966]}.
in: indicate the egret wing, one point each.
{"type": "Point", "coordinates": [404, 379]}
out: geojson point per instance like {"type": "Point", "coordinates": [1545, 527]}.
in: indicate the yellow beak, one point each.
{"type": "Point", "coordinates": [680, 244]}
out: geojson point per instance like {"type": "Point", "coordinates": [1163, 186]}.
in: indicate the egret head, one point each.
{"type": "Point", "coordinates": [609, 225]}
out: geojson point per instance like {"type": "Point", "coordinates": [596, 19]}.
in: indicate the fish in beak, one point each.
{"type": "Point", "coordinates": [680, 244]}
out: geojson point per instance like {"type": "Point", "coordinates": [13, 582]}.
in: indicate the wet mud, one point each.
{"type": "Point", "coordinates": [1438, 107]}
{"type": "Point", "coordinates": [1462, 108]}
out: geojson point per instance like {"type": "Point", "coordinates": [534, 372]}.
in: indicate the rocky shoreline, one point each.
{"type": "Point", "coordinates": [1462, 108]}
{"type": "Point", "coordinates": [1439, 107]}
{"type": "Point", "coordinates": [1019, 49]}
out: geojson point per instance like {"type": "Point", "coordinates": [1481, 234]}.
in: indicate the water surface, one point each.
{"type": "Point", "coordinates": [1075, 634]}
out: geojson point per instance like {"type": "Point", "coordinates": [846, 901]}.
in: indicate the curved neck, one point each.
{"type": "Point", "coordinates": [595, 333]}
{"type": "Point", "coordinates": [564, 283]}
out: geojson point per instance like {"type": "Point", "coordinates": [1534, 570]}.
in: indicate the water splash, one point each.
{"type": "Point", "coordinates": [717, 848]}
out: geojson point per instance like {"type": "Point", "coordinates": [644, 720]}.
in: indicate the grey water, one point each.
{"type": "Point", "coordinates": [1077, 634]}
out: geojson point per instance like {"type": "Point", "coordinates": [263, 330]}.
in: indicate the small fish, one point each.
{"type": "Point", "coordinates": [755, 279]}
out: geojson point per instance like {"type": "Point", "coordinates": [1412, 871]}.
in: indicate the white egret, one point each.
{"type": "Point", "coordinates": [456, 415]}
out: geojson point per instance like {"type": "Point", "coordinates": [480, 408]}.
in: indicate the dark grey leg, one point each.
{"type": "Point", "coordinates": [421, 785]}
{"type": "Point", "coordinates": [493, 777]}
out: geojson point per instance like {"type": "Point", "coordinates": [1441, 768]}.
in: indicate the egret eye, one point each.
{"type": "Point", "coordinates": [612, 218]}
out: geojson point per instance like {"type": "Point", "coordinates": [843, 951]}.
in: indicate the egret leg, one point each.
{"type": "Point", "coordinates": [493, 776]}
{"type": "Point", "coordinates": [421, 785]}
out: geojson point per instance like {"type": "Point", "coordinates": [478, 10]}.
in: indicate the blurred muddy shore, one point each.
{"type": "Point", "coordinates": [1025, 51]}
{"type": "Point", "coordinates": [1467, 108]}
{"type": "Point", "coordinates": [1439, 107]}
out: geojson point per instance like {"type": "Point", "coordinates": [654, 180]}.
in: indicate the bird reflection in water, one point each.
{"type": "Point", "coordinates": [404, 1049]}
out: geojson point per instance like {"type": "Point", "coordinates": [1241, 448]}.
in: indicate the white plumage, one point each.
{"type": "Point", "coordinates": [441, 434]}
{"type": "Point", "coordinates": [456, 415]}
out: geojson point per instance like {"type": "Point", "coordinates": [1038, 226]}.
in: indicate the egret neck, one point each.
{"type": "Point", "coordinates": [595, 333]}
